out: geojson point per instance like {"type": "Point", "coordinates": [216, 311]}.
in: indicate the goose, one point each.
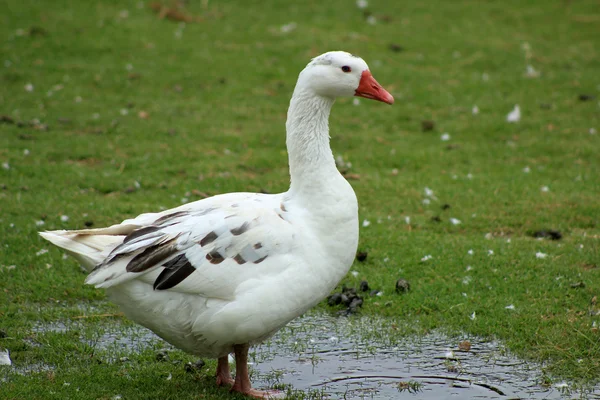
{"type": "Point", "coordinates": [216, 276]}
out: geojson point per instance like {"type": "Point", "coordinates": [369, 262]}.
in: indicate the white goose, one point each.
{"type": "Point", "coordinates": [217, 275]}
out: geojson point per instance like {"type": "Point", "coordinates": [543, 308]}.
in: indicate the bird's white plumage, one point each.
{"type": "Point", "coordinates": [235, 268]}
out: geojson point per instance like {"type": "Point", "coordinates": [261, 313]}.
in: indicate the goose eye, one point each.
{"type": "Point", "coordinates": [346, 68]}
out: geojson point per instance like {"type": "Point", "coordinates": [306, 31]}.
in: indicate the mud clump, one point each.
{"type": "Point", "coordinates": [364, 286]}
{"type": "Point", "coordinates": [362, 256]}
{"type": "Point", "coordinates": [547, 234]}
{"type": "Point", "coordinates": [402, 286]}
{"type": "Point", "coordinates": [427, 125]}
{"type": "Point", "coordinates": [195, 367]}
{"type": "Point", "coordinates": [349, 298]}
{"type": "Point", "coordinates": [162, 355]}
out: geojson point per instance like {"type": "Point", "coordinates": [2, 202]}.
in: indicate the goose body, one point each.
{"type": "Point", "coordinates": [217, 275]}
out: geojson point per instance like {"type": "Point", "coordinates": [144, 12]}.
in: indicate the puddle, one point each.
{"type": "Point", "coordinates": [113, 336]}
{"type": "Point", "coordinates": [335, 358]}
{"type": "Point", "coordinates": [359, 358]}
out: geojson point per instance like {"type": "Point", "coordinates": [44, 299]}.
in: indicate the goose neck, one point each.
{"type": "Point", "coordinates": [310, 158]}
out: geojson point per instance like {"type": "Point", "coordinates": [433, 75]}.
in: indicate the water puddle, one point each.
{"type": "Point", "coordinates": [360, 358]}
{"type": "Point", "coordinates": [354, 358]}
{"type": "Point", "coordinates": [108, 337]}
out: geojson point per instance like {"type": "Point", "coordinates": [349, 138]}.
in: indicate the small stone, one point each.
{"type": "Point", "coordinates": [577, 285]}
{"type": "Point", "coordinates": [427, 125]}
{"type": "Point", "coordinates": [195, 367]}
{"type": "Point", "coordinates": [374, 292]}
{"type": "Point", "coordinates": [361, 256]}
{"type": "Point", "coordinates": [465, 345]}
{"type": "Point", "coordinates": [364, 286]}
{"type": "Point", "coordinates": [453, 368]}
{"type": "Point", "coordinates": [123, 359]}
{"type": "Point", "coordinates": [402, 286]}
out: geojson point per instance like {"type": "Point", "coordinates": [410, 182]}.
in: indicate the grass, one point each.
{"type": "Point", "coordinates": [132, 113]}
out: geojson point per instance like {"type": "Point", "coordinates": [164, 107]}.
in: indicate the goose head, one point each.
{"type": "Point", "coordinates": [340, 74]}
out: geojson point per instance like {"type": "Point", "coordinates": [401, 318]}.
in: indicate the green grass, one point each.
{"type": "Point", "coordinates": [215, 94]}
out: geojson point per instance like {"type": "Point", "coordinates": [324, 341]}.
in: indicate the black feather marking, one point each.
{"type": "Point", "coordinates": [258, 245]}
{"type": "Point", "coordinates": [215, 257]}
{"type": "Point", "coordinates": [176, 262]}
{"type": "Point", "coordinates": [169, 217]}
{"type": "Point", "coordinates": [208, 238]}
{"type": "Point", "coordinates": [282, 206]}
{"type": "Point", "coordinates": [140, 232]}
{"type": "Point", "coordinates": [260, 260]}
{"type": "Point", "coordinates": [240, 229]}
{"type": "Point", "coordinates": [151, 256]}
{"type": "Point", "coordinates": [175, 272]}
{"type": "Point", "coordinates": [239, 259]}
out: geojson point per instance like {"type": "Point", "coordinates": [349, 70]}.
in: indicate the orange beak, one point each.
{"type": "Point", "coordinates": [369, 88]}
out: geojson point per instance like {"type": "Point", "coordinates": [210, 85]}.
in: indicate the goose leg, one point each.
{"type": "Point", "coordinates": [223, 374]}
{"type": "Point", "coordinates": [242, 381]}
